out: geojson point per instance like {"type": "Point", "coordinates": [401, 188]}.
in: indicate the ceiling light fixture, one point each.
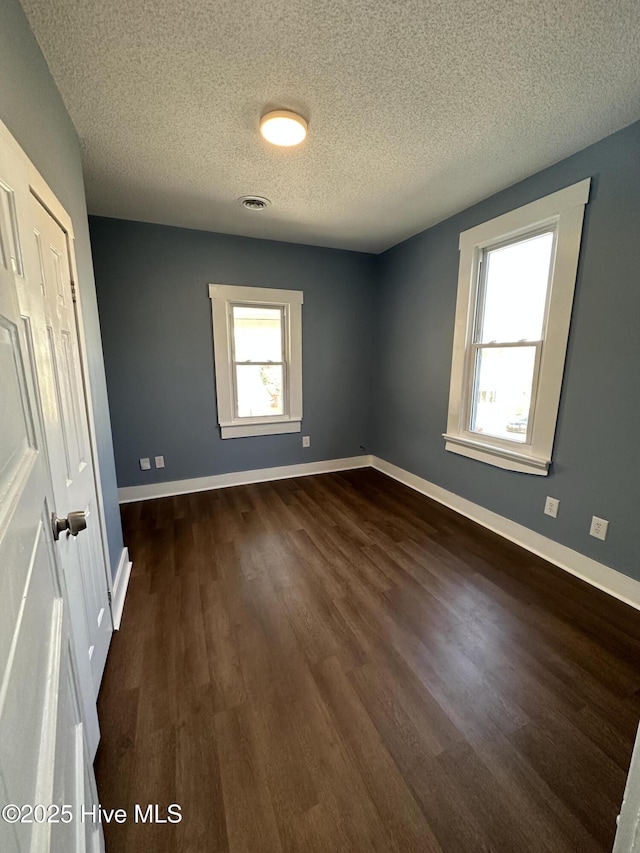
{"type": "Point", "coordinates": [282, 127]}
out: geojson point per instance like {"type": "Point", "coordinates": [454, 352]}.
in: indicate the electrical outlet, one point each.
{"type": "Point", "coordinates": [599, 527]}
{"type": "Point", "coordinates": [551, 507]}
{"type": "Point", "coordinates": [306, 441]}
{"type": "Point", "coordinates": [159, 461]}
{"type": "Point", "coordinates": [145, 464]}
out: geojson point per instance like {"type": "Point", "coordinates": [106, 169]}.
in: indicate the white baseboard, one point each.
{"type": "Point", "coordinates": [120, 585]}
{"type": "Point", "coordinates": [605, 578]}
{"type": "Point", "coordinates": [239, 478]}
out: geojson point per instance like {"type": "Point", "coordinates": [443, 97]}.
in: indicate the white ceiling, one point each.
{"type": "Point", "coordinates": [416, 108]}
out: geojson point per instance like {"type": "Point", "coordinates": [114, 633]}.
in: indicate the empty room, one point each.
{"type": "Point", "coordinates": [319, 426]}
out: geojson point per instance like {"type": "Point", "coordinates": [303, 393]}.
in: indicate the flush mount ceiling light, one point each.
{"type": "Point", "coordinates": [282, 127]}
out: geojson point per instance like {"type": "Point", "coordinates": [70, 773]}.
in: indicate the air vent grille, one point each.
{"type": "Point", "coordinates": [254, 202]}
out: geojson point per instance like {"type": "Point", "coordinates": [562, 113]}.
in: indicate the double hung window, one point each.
{"type": "Point", "coordinates": [258, 359]}
{"type": "Point", "coordinates": [515, 293]}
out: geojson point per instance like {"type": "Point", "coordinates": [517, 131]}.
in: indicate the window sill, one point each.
{"type": "Point", "coordinates": [501, 457]}
{"type": "Point", "coordinates": [240, 430]}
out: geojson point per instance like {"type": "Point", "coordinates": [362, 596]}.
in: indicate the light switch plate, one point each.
{"type": "Point", "coordinates": [145, 464]}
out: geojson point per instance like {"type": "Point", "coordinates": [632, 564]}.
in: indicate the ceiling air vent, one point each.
{"type": "Point", "coordinates": [254, 202]}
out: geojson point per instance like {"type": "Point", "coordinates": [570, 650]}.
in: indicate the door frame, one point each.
{"type": "Point", "coordinates": [40, 189]}
{"type": "Point", "coordinates": [627, 838]}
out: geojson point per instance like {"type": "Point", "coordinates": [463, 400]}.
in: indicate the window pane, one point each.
{"type": "Point", "coordinates": [257, 333]}
{"type": "Point", "coordinates": [515, 290]}
{"type": "Point", "coordinates": [260, 391]}
{"type": "Point", "coordinates": [502, 391]}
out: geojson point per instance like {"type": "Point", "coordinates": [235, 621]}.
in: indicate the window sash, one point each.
{"type": "Point", "coordinates": [283, 328]}
{"type": "Point", "coordinates": [285, 389]}
{"type": "Point", "coordinates": [561, 211]}
{"type": "Point", "coordinates": [221, 296]}
{"type": "Point", "coordinates": [471, 386]}
{"type": "Point", "coordinates": [474, 344]}
{"type": "Point", "coordinates": [483, 271]}
{"type": "Point", "coordinates": [285, 363]}
{"type": "Point", "coordinates": [273, 307]}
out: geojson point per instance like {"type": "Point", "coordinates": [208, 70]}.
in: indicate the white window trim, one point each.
{"type": "Point", "coordinates": [231, 426]}
{"type": "Point", "coordinates": [563, 210]}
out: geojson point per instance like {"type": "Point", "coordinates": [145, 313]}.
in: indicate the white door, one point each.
{"type": "Point", "coordinates": [44, 754]}
{"type": "Point", "coordinates": [67, 435]}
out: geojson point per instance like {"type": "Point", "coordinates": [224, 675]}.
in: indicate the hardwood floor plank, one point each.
{"type": "Point", "coordinates": [204, 550]}
{"type": "Point", "coordinates": [564, 758]}
{"type": "Point", "coordinates": [337, 663]}
{"type": "Point", "coordinates": [343, 796]}
{"type": "Point", "coordinates": [403, 741]}
{"type": "Point", "coordinates": [447, 811]}
{"type": "Point", "coordinates": [308, 555]}
{"type": "Point", "coordinates": [494, 807]}
{"type": "Point", "coordinates": [198, 779]}
{"type": "Point", "coordinates": [435, 728]}
{"type": "Point", "coordinates": [604, 735]}
{"type": "Point", "coordinates": [250, 819]}
{"type": "Point", "coordinates": [290, 783]}
{"type": "Point", "coordinates": [528, 794]}
{"type": "Point", "coordinates": [192, 657]}
{"type": "Point", "coordinates": [225, 668]}
{"type": "Point", "coordinates": [184, 545]}
{"type": "Point", "coordinates": [153, 782]}
{"type": "Point", "coordinates": [116, 756]}
{"type": "Point", "coordinates": [403, 820]}
{"type": "Point", "coordinates": [286, 656]}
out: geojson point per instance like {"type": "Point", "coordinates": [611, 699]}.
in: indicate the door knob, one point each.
{"type": "Point", "coordinates": [74, 523]}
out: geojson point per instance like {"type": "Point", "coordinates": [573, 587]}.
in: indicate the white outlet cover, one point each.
{"type": "Point", "coordinates": [599, 527]}
{"type": "Point", "coordinates": [306, 441]}
{"type": "Point", "coordinates": [159, 461]}
{"type": "Point", "coordinates": [145, 464]}
{"type": "Point", "coordinates": [551, 507]}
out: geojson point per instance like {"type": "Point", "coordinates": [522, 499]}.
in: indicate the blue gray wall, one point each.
{"type": "Point", "coordinates": [32, 109]}
{"type": "Point", "coordinates": [378, 335]}
{"type": "Point", "coordinates": [156, 319]}
{"type": "Point", "coordinates": [596, 461]}
{"type": "Point", "coordinates": [157, 330]}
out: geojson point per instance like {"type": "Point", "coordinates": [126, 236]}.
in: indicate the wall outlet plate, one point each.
{"type": "Point", "coordinates": [145, 464]}
{"type": "Point", "coordinates": [551, 507]}
{"type": "Point", "coordinates": [599, 527]}
{"type": "Point", "coordinates": [306, 441]}
{"type": "Point", "coordinates": [159, 461]}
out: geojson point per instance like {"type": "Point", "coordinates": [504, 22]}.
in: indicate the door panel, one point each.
{"type": "Point", "coordinates": [18, 434]}
{"type": "Point", "coordinates": [72, 782]}
{"type": "Point", "coordinates": [67, 434]}
{"type": "Point", "coordinates": [23, 701]}
{"type": "Point", "coordinates": [44, 749]}
{"type": "Point", "coordinates": [63, 462]}
{"type": "Point", "coordinates": [10, 254]}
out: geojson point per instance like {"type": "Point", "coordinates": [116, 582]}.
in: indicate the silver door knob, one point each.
{"type": "Point", "coordinates": [74, 523]}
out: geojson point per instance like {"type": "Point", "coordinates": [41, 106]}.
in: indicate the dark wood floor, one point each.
{"type": "Point", "coordinates": [335, 663]}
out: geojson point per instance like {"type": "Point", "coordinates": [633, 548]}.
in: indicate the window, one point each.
{"type": "Point", "coordinates": [515, 294]}
{"type": "Point", "coordinates": [257, 341]}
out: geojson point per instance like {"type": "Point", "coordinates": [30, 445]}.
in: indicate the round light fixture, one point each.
{"type": "Point", "coordinates": [282, 127]}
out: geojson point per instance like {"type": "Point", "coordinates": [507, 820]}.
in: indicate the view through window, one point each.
{"type": "Point", "coordinates": [516, 281]}
{"type": "Point", "coordinates": [258, 360]}
{"type": "Point", "coordinates": [509, 331]}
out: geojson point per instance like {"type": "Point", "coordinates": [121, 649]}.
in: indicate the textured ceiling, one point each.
{"type": "Point", "coordinates": [416, 108]}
